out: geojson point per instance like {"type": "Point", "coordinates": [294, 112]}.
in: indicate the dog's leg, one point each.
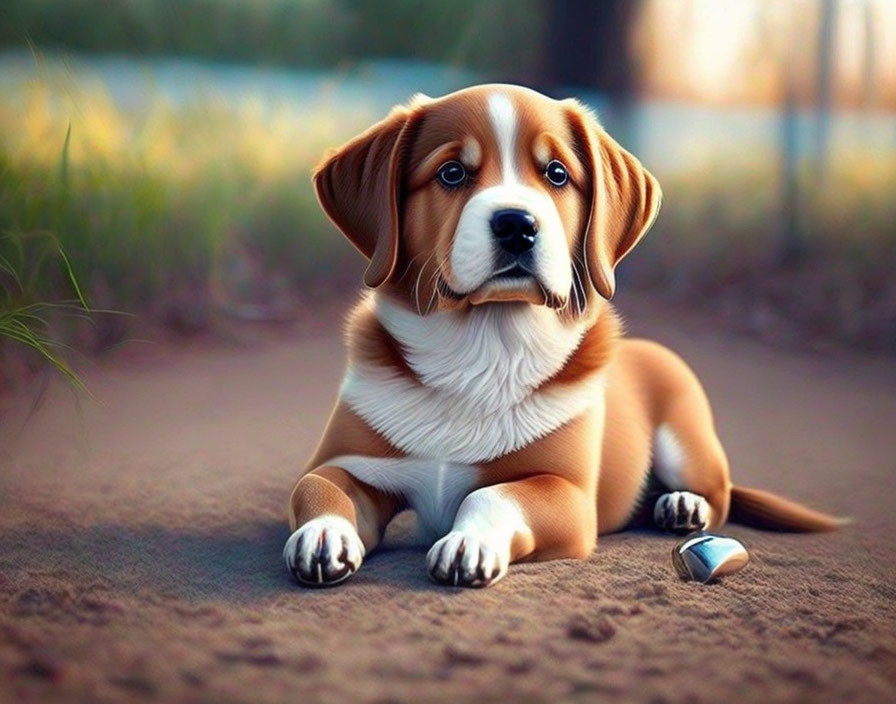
{"type": "Point", "coordinates": [689, 460]}
{"type": "Point", "coordinates": [505, 523]}
{"type": "Point", "coordinates": [336, 520]}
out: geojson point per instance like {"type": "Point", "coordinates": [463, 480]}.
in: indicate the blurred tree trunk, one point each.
{"type": "Point", "coordinates": [589, 45]}
{"type": "Point", "coordinates": [869, 57]}
{"type": "Point", "coordinates": [824, 89]}
{"type": "Point", "coordinates": [791, 242]}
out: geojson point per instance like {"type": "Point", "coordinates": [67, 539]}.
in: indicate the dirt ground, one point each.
{"type": "Point", "coordinates": [140, 539]}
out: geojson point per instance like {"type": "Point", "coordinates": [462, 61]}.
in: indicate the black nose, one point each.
{"type": "Point", "coordinates": [515, 230]}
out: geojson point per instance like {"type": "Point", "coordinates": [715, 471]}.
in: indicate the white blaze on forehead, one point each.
{"type": "Point", "coordinates": [504, 123]}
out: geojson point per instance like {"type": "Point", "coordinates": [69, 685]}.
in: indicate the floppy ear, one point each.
{"type": "Point", "coordinates": [625, 199]}
{"type": "Point", "coordinates": [358, 187]}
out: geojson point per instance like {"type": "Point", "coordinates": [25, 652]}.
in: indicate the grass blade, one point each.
{"type": "Point", "coordinates": [71, 277]}
{"type": "Point", "coordinates": [63, 160]}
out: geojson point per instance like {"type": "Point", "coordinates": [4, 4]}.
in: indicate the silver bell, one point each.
{"type": "Point", "coordinates": [704, 557]}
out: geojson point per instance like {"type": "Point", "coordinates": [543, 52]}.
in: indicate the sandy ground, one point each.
{"type": "Point", "coordinates": [140, 542]}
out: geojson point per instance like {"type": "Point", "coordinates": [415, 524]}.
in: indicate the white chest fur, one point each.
{"type": "Point", "coordinates": [479, 373]}
{"type": "Point", "coordinates": [433, 489]}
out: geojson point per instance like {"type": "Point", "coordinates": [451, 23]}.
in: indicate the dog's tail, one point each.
{"type": "Point", "coordinates": [763, 509]}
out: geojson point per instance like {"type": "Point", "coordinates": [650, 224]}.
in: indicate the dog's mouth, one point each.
{"type": "Point", "coordinates": [514, 283]}
{"type": "Point", "coordinates": [516, 271]}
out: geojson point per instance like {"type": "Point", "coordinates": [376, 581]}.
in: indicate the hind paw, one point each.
{"type": "Point", "coordinates": [681, 512]}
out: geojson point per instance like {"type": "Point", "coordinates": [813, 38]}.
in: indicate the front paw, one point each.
{"type": "Point", "coordinates": [324, 551]}
{"type": "Point", "coordinates": [462, 559]}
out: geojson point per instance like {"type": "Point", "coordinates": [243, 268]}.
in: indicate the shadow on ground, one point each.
{"type": "Point", "coordinates": [234, 563]}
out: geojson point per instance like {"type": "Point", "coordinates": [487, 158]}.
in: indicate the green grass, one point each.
{"type": "Point", "coordinates": [202, 206]}
{"type": "Point", "coordinates": [26, 266]}
{"type": "Point", "coordinates": [183, 201]}
{"type": "Point", "coordinates": [25, 263]}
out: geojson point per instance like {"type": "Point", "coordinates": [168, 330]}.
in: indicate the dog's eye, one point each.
{"type": "Point", "coordinates": [556, 173]}
{"type": "Point", "coordinates": [452, 174]}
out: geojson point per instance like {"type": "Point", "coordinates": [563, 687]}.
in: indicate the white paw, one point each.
{"type": "Point", "coordinates": [462, 559]}
{"type": "Point", "coordinates": [324, 551]}
{"type": "Point", "coordinates": [681, 512]}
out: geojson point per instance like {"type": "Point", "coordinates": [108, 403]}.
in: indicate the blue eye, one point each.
{"type": "Point", "coordinates": [452, 174]}
{"type": "Point", "coordinates": [556, 173]}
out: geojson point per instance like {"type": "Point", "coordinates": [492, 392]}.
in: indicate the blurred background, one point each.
{"type": "Point", "coordinates": [155, 154]}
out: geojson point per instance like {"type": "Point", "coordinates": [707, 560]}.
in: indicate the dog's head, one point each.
{"type": "Point", "coordinates": [491, 194]}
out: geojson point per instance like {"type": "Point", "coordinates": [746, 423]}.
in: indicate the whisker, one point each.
{"type": "Point", "coordinates": [417, 284]}
{"type": "Point", "coordinates": [438, 269]}
{"type": "Point", "coordinates": [565, 307]}
{"type": "Point", "coordinates": [433, 298]}
{"type": "Point", "coordinates": [435, 280]}
{"type": "Point", "coordinates": [579, 287]}
{"type": "Point", "coordinates": [408, 267]}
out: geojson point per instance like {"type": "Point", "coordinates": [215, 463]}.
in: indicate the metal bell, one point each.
{"type": "Point", "coordinates": [705, 557]}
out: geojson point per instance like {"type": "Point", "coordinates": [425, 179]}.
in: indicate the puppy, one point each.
{"type": "Point", "coordinates": [488, 385]}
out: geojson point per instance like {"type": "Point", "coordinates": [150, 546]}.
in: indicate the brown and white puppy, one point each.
{"type": "Point", "coordinates": [488, 387]}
